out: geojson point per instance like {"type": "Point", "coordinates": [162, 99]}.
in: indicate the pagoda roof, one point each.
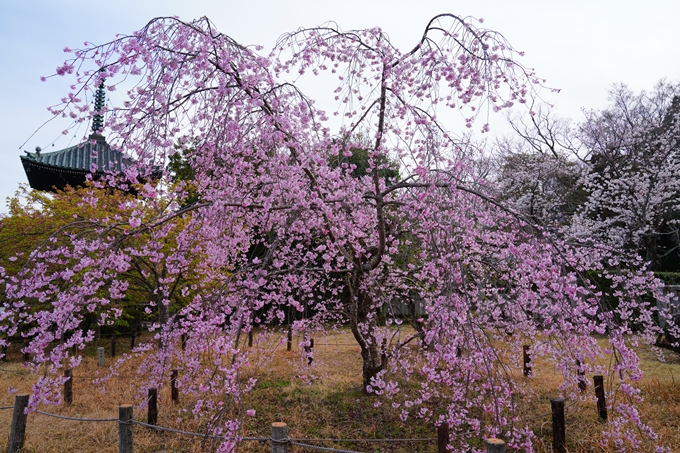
{"type": "Point", "coordinates": [70, 166]}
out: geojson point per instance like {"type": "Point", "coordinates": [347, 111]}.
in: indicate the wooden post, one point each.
{"type": "Point", "coordinates": [174, 390]}
{"type": "Point", "coordinates": [113, 346]}
{"type": "Point", "coordinates": [442, 437]}
{"type": "Point", "coordinates": [279, 440]}
{"type": "Point", "coordinates": [68, 386]}
{"type": "Point", "coordinates": [527, 360]}
{"type": "Point", "coordinates": [289, 344]}
{"type": "Point", "coordinates": [250, 338]}
{"type": "Point", "coordinates": [100, 356]}
{"type": "Point", "coordinates": [125, 428]}
{"type": "Point", "coordinates": [383, 350]}
{"type": "Point", "coordinates": [308, 350]}
{"type": "Point", "coordinates": [25, 356]}
{"type": "Point", "coordinates": [599, 393]}
{"type": "Point", "coordinates": [581, 377]}
{"type": "Point", "coordinates": [152, 418]}
{"type": "Point", "coordinates": [494, 445]}
{"type": "Point", "coordinates": [559, 437]}
{"type": "Point", "coordinates": [184, 341]}
{"type": "Point", "coordinates": [18, 429]}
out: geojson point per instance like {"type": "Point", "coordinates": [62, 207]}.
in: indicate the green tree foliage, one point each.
{"type": "Point", "coordinates": [36, 219]}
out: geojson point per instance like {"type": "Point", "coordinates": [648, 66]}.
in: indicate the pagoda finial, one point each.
{"type": "Point", "coordinates": [98, 118]}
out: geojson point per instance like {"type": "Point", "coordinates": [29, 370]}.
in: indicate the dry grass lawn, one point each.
{"type": "Point", "coordinates": [327, 406]}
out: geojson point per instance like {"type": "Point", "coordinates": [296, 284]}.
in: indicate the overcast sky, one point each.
{"type": "Point", "coordinates": [581, 47]}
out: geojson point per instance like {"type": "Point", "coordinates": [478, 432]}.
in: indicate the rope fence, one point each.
{"type": "Point", "coordinates": [279, 439]}
{"type": "Point", "coordinates": [125, 422]}
{"type": "Point", "coordinates": [189, 433]}
{"type": "Point", "coordinates": [368, 440]}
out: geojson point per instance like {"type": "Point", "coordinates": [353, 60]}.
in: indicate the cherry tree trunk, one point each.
{"type": "Point", "coordinates": [363, 322]}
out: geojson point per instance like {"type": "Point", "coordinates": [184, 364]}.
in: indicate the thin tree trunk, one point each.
{"type": "Point", "coordinates": [363, 324]}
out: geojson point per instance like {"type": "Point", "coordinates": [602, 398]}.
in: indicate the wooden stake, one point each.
{"type": "Point", "coordinates": [599, 393]}
{"type": "Point", "coordinates": [279, 438]}
{"type": "Point", "coordinates": [559, 437]}
{"type": "Point", "coordinates": [25, 356]}
{"type": "Point", "coordinates": [125, 439]}
{"type": "Point", "coordinates": [18, 429]}
{"type": "Point", "coordinates": [582, 380]}
{"type": "Point", "coordinates": [68, 387]}
{"type": "Point", "coordinates": [152, 417]}
{"type": "Point", "coordinates": [442, 438]}
{"type": "Point", "coordinates": [494, 445]}
{"type": "Point", "coordinates": [527, 360]}
{"type": "Point", "coordinates": [174, 390]}
{"type": "Point", "coordinates": [308, 350]}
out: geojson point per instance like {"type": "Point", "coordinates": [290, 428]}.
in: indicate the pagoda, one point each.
{"type": "Point", "coordinates": [55, 170]}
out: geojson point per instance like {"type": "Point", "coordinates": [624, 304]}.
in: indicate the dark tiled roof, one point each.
{"type": "Point", "coordinates": [80, 157]}
{"type": "Point", "coordinates": [72, 165]}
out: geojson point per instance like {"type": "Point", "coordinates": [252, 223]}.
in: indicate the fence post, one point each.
{"type": "Point", "coordinates": [442, 437]}
{"type": "Point", "coordinates": [18, 429]}
{"type": "Point", "coordinates": [308, 350]}
{"type": "Point", "coordinates": [250, 338]}
{"type": "Point", "coordinates": [113, 346]}
{"type": "Point", "coordinates": [68, 386]}
{"type": "Point", "coordinates": [184, 341]}
{"type": "Point", "coordinates": [100, 356]}
{"type": "Point", "coordinates": [152, 418]}
{"type": "Point", "coordinates": [125, 428]}
{"type": "Point", "coordinates": [174, 390]}
{"type": "Point", "coordinates": [289, 344]}
{"type": "Point", "coordinates": [599, 393]}
{"type": "Point", "coordinates": [581, 377]}
{"type": "Point", "coordinates": [25, 356]}
{"type": "Point", "coordinates": [279, 438]}
{"type": "Point", "coordinates": [494, 445]}
{"type": "Point", "coordinates": [559, 436]}
{"type": "Point", "coordinates": [527, 360]}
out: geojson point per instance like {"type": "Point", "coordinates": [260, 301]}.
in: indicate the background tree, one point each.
{"type": "Point", "coordinates": [614, 179]}
{"type": "Point", "coordinates": [633, 180]}
{"type": "Point", "coordinates": [327, 238]}
{"type": "Point", "coordinates": [537, 168]}
{"type": "Point", "coordinates": [37, 219]}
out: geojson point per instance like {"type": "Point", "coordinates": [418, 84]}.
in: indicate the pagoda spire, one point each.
{"type": "Point", "coordinates": [98, 118]}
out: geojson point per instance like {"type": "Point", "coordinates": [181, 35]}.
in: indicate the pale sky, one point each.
{"type": "Point", "coordinates": [581, 46]}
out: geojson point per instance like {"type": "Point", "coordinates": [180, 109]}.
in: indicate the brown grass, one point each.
{"type": "Point", "coordinates": [328, 404]}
